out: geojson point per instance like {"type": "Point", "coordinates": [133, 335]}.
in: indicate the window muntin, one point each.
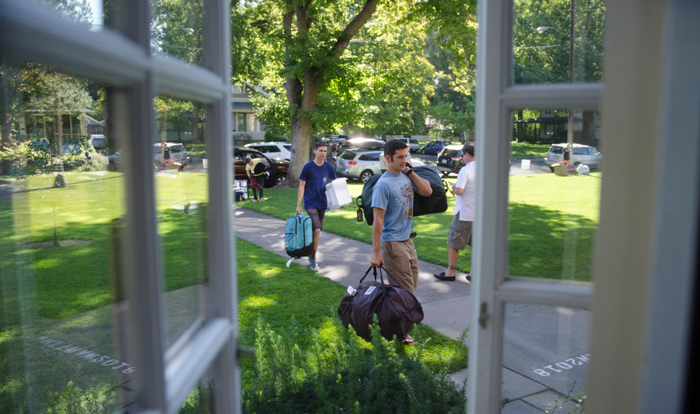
{"type": "Point", "coordinates": [500, 95]}
{"type": "Point", "coordinates": [119, 62]}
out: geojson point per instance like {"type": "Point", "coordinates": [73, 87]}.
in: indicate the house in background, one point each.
{"type": "Point", "coordinates": [550, 127]}
{"type": "Point", "coordinates": [245, 125]}
{"type": "Point", "coordinates": [37, 125]}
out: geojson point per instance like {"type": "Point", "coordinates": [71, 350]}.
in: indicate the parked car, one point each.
{"type": "Point", "coordinates": [274, 150]}
{"type": "Point", "coordinates": [412, 162]}
{"type": "Point", "coordinates": [433, 147]}
{"type": "Point", "coordinates": [115, 161]}
{"type": "Point", "coordinates": [582, 154]}
{"type": "Point", "coordinates": [337, 138]}
{"type": "Point", "coordinates": [413, 144]}
{"type": "Point", "coordinates": [98, 141]}
{"type": "Point", "coordinates": [276, 173]}
{"type": "Point", "coordinates": [364, 144]}
{"type": "Point", "coordinates": [74, 148]}
{"type": "Point", "coordinates": [170, 152]}
{"type": "Point", "coordinates": [358, 164]}
{"type": "Point", "coordinates": [450, 160]}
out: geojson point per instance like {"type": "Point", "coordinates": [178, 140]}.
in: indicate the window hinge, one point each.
{"type": "Point", "coordinates": [483, 315]}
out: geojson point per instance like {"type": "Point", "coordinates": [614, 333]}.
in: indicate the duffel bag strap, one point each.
{"type": "Point", "coordinates": [382, 268]}
{"type": "Point", "coordinates": [367, 272]}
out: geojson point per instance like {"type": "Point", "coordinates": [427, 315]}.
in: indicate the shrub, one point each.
{"type": "Point", "coordinates": [341, 372]}
{"type": "Point", "coordinates": [73, 400]}
{"type": "Point", "coordinates": [27, 159]}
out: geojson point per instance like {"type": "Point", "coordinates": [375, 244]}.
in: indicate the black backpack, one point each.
{"type": "Point", "coordinates": [260, 168]}
{"type": "Point", "coordinates": [435, 203]}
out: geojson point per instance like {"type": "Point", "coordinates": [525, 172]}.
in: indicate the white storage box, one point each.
{"type": "Point", "coordinates": [338, 194]}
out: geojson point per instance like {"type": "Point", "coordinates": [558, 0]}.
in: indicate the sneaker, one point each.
{"type": "Point", "coordinates": [469, 278]}
{"type": "Point", "coordinates": [313, 265]}
{"type": "Point", "coordinates": [261, 199]}
{"type": "Point", "coordinates": [255, 201]}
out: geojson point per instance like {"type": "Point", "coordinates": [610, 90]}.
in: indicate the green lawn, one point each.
{"type": "Point", "coordinates": [552, 223]}
{"type": "Point", "coordinates": [524, 150]}
{"type": "Point", "coordinates": [66, 292]}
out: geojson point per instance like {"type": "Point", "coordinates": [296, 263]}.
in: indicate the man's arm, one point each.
{"type": "Point", "coordinates": [300, 195]}
{"type": "Point", "coordinates": [377, 229]}
{"type": "Point", "coordinates": [461, 180]}
{"type": "Point", "coordinates": [457, 190]}
{"type": "Point", "coordinates": [422, 185]}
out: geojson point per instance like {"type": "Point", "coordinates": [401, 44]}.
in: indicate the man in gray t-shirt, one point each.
{"type": "Point", "coordinates": [392, 200]}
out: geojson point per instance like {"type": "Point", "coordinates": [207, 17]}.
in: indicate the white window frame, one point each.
{"type": "Point", "coordinates": [31, 32]}
{"type": "Point", "coordinates": [497, 97]}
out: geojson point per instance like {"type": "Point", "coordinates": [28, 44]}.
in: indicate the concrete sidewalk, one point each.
{"type": "Point", "coordinates": [545, 348]}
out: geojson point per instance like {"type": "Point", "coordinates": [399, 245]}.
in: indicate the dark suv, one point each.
{"type": "Point", "coordinates": [450, 160]}
{"type": "Point", "coordinates": [433, 147]}
{"type": "Point", "coordinates": [275, 174]}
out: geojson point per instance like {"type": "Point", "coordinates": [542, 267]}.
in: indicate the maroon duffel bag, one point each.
{"type": "Point", "coordinates": [396, 308]}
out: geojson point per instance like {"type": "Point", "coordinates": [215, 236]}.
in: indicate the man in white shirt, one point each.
{"type": "Point", "coordinates": [461, 228]}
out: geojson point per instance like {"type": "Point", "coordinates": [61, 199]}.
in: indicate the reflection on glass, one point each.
{"type": "Point", "coordinates": [87, 12]}
{"type": "Point", "coordinates": [546, 353]}
{"type": "Point", "coordinates": [176, 29]}
{"type": "Point", "coordinates": [181, 202]}
{"type": "Point", "coordinates": [200, 400]}
{"type": "Point", "coordinates": [558, 41]}
{"type": "Point", "coordinates": [554, 194]}
{"type": "Point", "coordinates": [61, 213]}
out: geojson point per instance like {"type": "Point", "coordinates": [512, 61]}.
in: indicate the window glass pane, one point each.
{"type": "Point", "coordinates": [88, 13]}
{"type": "Point", "coordinates": [62, 212]}
{"type": "Point", "coordinates": [200, 400]}
{"type": "Point", "coordinates": [176, 29]}
{"type": "Point", "coordinates": [544, 40]}
{"type": "Point", "coordinates": [181, 202]}
{"type": "Point", "coordinates": [554, 208]}
{"type": "Point", "coordinates": [546, 352]}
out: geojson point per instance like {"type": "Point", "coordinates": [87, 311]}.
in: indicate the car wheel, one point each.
{"type": "Point", "coordinates": [422, 151]}
{"type": "Point", "coordinates": [366, 175]}
{"type": "Point", "coordinates": [445, 174]}
{"type": "Point", "coordinates": [279, 178]}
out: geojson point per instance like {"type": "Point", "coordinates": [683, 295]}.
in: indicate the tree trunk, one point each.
{"type": "Point", "coordinates": [301, 137]}
{"type": "Point", "coordinates": [588, 131]}
{"type": "Point", "coordinates": [302, 95]}
{"type": "Point", "coordinates": [6, 137]}
{"type": "Point", "coordinates": [195, 124]}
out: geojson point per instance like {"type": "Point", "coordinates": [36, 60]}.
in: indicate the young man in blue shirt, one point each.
{"type": "Point", "coordinates": [392, 200]}
{"type": "Point", "coordinates": [312, 189]}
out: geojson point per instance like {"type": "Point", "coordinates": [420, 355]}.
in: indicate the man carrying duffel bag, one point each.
{"type": "Point", "coordinates": [392, 202]}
